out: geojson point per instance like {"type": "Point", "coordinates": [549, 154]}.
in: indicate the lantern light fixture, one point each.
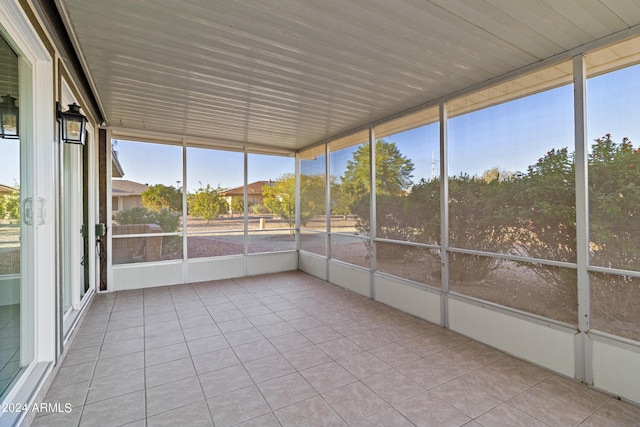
{"type": "Point", "coordinates": [9, 116]}
{"type": "Point", "coordinates": [73, 124]}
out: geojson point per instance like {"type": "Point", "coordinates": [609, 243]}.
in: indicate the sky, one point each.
{"type": "Point", "coordinates": [510, 136]}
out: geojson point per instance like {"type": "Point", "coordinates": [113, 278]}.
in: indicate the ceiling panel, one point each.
{"type": "Point", "coordinates": [290, 73]}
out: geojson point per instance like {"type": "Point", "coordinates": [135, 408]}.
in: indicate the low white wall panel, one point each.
{"type": "Point", "coordinates": [313, 264]}
{"type": "Point", "coordinates": [9, 290]}
{"type": "Point", "coordinates": [200, 270]}
{"type": "Point", "coordinates": [272, 263]}
{"type": "Point", "coordinates": [616, 368]}
{"type": "Point", "coordinates": [544, 345]}
{"type": "Point", "coordinates": [146, 275]}
{"type": "Point", "coordinates": [350, 277]}
{"type": "Point", "coordinates": [411, 299]}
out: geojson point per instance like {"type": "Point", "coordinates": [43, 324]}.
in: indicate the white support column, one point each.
{"type": "Point", "coordinates": [373, 224]}
{"type": "Point", "coordinates": [185, 241]}
{"type": "Point", "coordinates": [327, 228]}
{"type": "Point", "coordinates": [583, 351]}
{"type": "Point", "coordinates": [297, 209]}
{"type": "Point", "coordinates": [245, 196]}
{"type": "Point", "coordinates": [444, 216]}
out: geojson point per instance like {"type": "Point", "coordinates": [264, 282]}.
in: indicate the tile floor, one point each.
{"type": "Point", "coordinates": [291, 350]}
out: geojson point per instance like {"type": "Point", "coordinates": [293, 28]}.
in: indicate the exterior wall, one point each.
{"type": "Point", "coordinates": [44, 80]}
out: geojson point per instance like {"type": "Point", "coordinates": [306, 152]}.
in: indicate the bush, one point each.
{"type": "Point", "coordinates": [167, 220]}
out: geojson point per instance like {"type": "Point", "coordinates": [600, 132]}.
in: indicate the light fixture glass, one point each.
{"type": "Point", "coordinates": [73, 125]}
{"type": "Point", "coordinates": [9, 116]}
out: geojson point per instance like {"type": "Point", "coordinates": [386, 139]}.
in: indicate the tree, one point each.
{"type": "Point", "coordinates": [161, 196]}
{"type": "Point", "coordinates": [614, 203]}
{"type": "Point", "coordinates": [393, 180]}
{"type": "Point", "coordinates": [207, 203]}
{"type": "Point", "coordinates": [544, 216]}
{"type": "Point", "coordinates": [10, 205]}
{"type": "Point", "coordinates": [280, 198]}
{"type": "Point", "coordinates": [237, 204]}
{"type": "Point", "coordinates": [393, 173]}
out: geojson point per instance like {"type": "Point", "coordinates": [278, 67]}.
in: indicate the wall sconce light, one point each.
{"type": "Point", "coordinates": [73, 124]}
{"type": "Point", "coordinates": [9, 115]}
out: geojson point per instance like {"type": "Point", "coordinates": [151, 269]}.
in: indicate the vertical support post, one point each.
{"type": "Point", "coordinates": [185, 240]}
{"type": "Point", "coordinates": [373, 224]}
{"type": "Point", "coordinates": [297, 209]}
{"type": "Point", "coordinates": [583, 362]}
{"type": "Point", "coordinates": [327, 168]}
{"type": "Point", "coordinates": [103, 201]}
{"type": "Point", "coordinates": [444, 216]}
{"type": "Point", "coordinates": [245, 196]}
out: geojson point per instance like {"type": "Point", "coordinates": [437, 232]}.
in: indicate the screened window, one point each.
{"type": "Point", "coordinates": [272, 203]}
{"type": "Point", "coordinates": [215, 203]}
{"type": "Point", "coordinates": [149, 226]}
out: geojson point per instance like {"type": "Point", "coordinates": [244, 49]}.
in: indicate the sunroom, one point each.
{"type": "Point", "coordinates": [470, 168]}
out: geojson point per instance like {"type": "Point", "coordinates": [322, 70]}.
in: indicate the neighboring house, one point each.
{"type": "Point", "coordinates": [5, 190]}
{"type": "Point", "coordinates": [126, 194]}
{"type": "Point", "coordinates": [254, 192]}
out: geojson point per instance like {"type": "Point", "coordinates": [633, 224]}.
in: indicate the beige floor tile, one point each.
{"type": "Point", "coordinates": [370, 339]}
{"type": "Point", "coordinates": [327, 376]}
{"type": "Point", "coordinates": [73, 374]}
{"type": "Point", "coordinates": [548, 408]}
{"type": "Point", "coordinates": [275, 329]}
{"type": "Point", "coordinates": [206, 345]}
{"type": "Point", "coordinates": [393, 386]}
{"type": "Point", "coordinates": [310, 412]}
{"type": "Point", "coordinates": [121, 347]}
{"type": "Point", "coordinates": [321, 334]}
{"type": "Point", "coordinates": [195, 321]}
{"type": "Point", "coordinates": [237, 407]}
{"type": "Point", "coordinates": [616, 413]}
{"type": "Point", "coordinates": [520, 370]}
{"type": "Point", "coordinates": [340, 347]}
{"type": "Point", "coordinates": [73, 394]}
{"type": "Point", "coordinates": [265, 319]}
{"type": "Point", "coordinates": [506, 415]}
{"type": "Point", "coordinates": [268, 368]}
{"type": "Point", "coordinates": [354, 401]}
{"type": "Point", "coordinates": [254, 350]}
{"type": "Point", "coordinates": [173, 395]}
{"type": "Point", "coordinates": [286, 390]}
{"type": "Point", "coordinates": [244, 336]}
{"type": "Point", "coordinates": [165, 354]}
{"type": "Point", "coordinates": [266, 420]}
{"type": "Point", "coordinates": [169, 372]}
{"type": "Point", "coordinates": [164, 339]}
{"type": "Point", "coordinates": [572, 393]}
{"type": "Point", "coordinates": [495, 383]}
{"type": "Point", "coordinates": [214, 360]}
{"type": "Point", "coordinates": [114, 412]}
{"type": "Point", "coordinates": [476, 352]}
{"type": "Point", "coordinates": [466, 398]}
{"type": "Point", "coordinates": [387, 418]}
{"type": "Point", "coordinates": [59, 419]}
{"type": "Point", "coordinates": [119, 364]}
{"type": "Point", "coordinates": [306, 357]}
{"type": "Point", "coordinates": [235, 325]}
{"type": "Point", "coordinates": [203, 331]}
{"type": "Point", "coordinates": [224, 381]}
{"type": "Point", "coordinates": [115, 385]}
{"type": "Point", "coordinates": [161, 328]}
{"type": "Point", "coordinates": [290, 342]}
{"type": "Point", "coordinates": [362, 365]}
{"type": "Point", "coordinates": [427, 410]}
{"type": "Point", "coordinates": [394, 354]}
{"type": "Point", "coordinates": [437, 369]}
{"type": "Point", "coordinates": [194, 415]}
{"type": "Point", "coordinates": [304, 323]}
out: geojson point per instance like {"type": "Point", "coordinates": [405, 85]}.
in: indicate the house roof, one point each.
{"type": "Point", "coordinates": [124, 187]}
{"type": "Point", "coordinates": [283, 75]}
{"type": "Point", "coordinates": [5, 189]}
{"type": "Point", "coordinates": [255, 188]}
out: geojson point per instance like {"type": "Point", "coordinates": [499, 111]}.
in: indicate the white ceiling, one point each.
{"type": "Point", "coordinates": [289, 73]}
